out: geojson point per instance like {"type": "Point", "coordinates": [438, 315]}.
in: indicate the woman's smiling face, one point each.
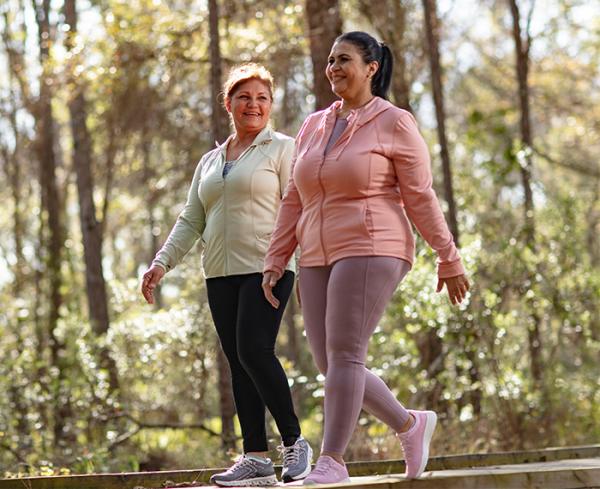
{"type": "Point", "coordinates": [250, 105]}
{"type": "Point", "coordinates": [348, 74]}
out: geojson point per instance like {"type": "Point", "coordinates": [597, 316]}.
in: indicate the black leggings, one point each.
{"type": "Point", "coordinates": [247, 326]}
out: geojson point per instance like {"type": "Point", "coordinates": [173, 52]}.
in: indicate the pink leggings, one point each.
{"type": "Point", "coordinates": [342, 304]}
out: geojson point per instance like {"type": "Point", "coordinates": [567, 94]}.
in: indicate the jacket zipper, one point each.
{"type": "Point", "coordinates": [225, 227]}
{"type": "Point", "coordinates": [225, 211]}
{"type": "Point", "coordinates": [322, 242]}
{"type": "Point", "coordinates": [321, 211]}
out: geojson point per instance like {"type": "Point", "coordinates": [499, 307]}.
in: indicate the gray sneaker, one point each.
{"type": "Point", "coordinates": [296, 460]}
{"type": "Point", "coordinates": [245, 472]}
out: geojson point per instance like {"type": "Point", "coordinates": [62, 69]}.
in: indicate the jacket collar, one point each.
{"type": "Point", "coordinates": [263, 137]}
{"type": "Point", "coordinates": [363, 114]}
{"type": "Point", "coordinates": [356, 119]}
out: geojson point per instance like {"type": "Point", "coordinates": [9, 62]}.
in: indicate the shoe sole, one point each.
{"type": "Point", "coordinates": [312, 483]}
{"type": "Point", "coordinates": [429, 428]}
{"type": "Point", "coordinates": [270, 480]}
{"type": "Point", "coordinates": [287, 478]}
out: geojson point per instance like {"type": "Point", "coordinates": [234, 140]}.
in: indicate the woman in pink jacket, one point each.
{"type": "Point", "coordinates": [361, 173]}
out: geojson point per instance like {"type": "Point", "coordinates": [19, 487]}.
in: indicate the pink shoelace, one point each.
{"type": "Point", "coordinates": [323, 466]}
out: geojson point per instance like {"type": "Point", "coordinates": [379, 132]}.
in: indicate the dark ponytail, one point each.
{"type": "Point", "coordinates": [372, 50]}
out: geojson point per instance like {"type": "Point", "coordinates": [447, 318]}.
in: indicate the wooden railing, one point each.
{"type": "Point", "coordinates": [551, 468]}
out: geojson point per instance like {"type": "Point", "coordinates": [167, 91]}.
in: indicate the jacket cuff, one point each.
{"type": "Point", "coordinates": [160, 264]}
{"type": "Point", "coordinates": [271, 266]}
{"type": "Point", "coordinates": [451, 269]}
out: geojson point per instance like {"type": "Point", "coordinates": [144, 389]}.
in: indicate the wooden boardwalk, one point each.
{"type": "Point", "coordinates": [554, 468]}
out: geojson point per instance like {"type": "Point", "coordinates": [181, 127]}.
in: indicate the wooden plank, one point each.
{"type": "Point", "coordinates": [158, 479]}
{"type": "Point", "coordinates": [477, 460]}
{"type": "Point", "coordinates": [578, 474]}
{"type": "Point", "coordinates": [566, 474]}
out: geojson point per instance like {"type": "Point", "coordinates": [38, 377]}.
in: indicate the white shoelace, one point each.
{"type": "Point", "coordinates": [240, 463]}
{"type": "Point", "coordinates": [291, 454]}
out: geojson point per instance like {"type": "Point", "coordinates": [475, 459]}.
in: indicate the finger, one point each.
{"type": "Point", "coordinates": [272, 299]}
{"type": "Point", "coordinates": [454, 296]}
{"type": "Point", "coordinates": [268, 292]}
{"type": "Point", "coordinates": [457, 292]}
{"type": "Point", "coordinates": [440, 285]}
{"type": "Point", "coordinates": [148, 295]}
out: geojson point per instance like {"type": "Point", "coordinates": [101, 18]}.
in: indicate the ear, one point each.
{"type": "Point", "coordinates": [373, 67]}
{"type": "Point", "coordinates": [228, 104]}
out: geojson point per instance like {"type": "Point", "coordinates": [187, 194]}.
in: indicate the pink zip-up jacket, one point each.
{"type": "Point", "coordinates": [359, 199]}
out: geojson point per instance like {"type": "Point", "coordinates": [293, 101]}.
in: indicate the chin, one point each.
{"type": "Point", "coordinates": [336, 92]}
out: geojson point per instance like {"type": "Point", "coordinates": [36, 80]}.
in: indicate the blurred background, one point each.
{"type": "Point", "coordinates": [107, 105]}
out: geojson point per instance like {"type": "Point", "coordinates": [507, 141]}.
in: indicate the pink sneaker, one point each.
{"type": "Point", "coordinates": [415, 442]}
{"type": "Point", "coordinates": [327, 471]}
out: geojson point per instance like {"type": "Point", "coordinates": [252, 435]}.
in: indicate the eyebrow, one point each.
{"type": "Point", "coordinates": [246, 92]}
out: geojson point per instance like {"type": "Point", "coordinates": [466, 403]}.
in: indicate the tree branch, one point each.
{"type": "Point", "coordinates": [573, 166]}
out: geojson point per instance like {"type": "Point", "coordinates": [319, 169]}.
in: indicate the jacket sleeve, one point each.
{"type": "Point", "coordinates": [285, 165]}
{"type": "Point", "coordinates": [413, 170]}
{"type": "Point", "coordinates": [187, 229]}
{"type": "Point", "coordinates": [283, 240]}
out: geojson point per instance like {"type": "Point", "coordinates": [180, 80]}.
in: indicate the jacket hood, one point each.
{"type": "Point", "coordinates": [356, 119]}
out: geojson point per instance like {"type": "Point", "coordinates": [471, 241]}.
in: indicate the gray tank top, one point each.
{"type": "Point", "coordinates": [338, 129]}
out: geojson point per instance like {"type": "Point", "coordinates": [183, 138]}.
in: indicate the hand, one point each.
{"type": "Point", "coordinates": [457, 287]}
{"type": "Point", "coordinates": [270, 278]}
{"type": "Point", "coordinates": [150, 281]}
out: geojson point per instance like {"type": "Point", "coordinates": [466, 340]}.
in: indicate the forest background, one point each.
{"type": "Point", "coordinates": [107, 105]}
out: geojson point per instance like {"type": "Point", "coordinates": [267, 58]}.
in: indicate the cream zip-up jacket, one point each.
{"type": "Point", "coordinates": [359, 199]}
{"type": "Point", "coordinates": [232, 216]}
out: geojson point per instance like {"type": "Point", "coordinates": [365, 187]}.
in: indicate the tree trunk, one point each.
{"type": "Point", "coordinates": [52, 206]}
{"type": "Point", "coordinates": [91, 229]}
{"type": "Point", "coordinates": [432, 32]}
{"type": "Point", "coordinates": [522, 42]}
{"type": "Point", "coordinates": [218, 114]}
{"type": "Point", "coordinates": [219, 128]}
{"type": "Point", "coordinates": [324, 25]}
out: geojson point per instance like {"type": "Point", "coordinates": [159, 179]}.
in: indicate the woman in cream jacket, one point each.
{"type": "Point", "coordinates": [231, 207]}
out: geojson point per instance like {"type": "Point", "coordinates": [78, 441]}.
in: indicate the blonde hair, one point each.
{"type": "Point", "coordinates": [242, 73]}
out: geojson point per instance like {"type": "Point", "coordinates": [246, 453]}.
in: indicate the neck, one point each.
{"type": "Point", "coordinates": [349, 104]}
{"type": "Point", "coordinates": [244, 138]}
